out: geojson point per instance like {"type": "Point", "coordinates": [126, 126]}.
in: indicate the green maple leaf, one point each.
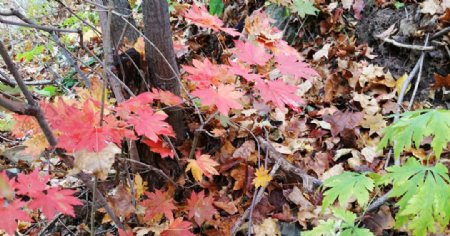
{"type": "Point", "coordinates": [415, 126]}
{"type": "Point", "coordinates": [423, 192]}
{"type": "Point", "coordinates": [346, 185]}
{"type": "Point", "coordinates": [304, 7]}
{"type": "Point", "coordinates": [345, 225]}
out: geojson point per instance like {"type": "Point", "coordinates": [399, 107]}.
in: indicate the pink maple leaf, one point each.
{"type": "Point", "coordinates": [241, 70]}
{"type": "Point", "coordinates": [200, 16]}
{"type": "Point", "coordinates": [291, 65]}
{"type": "Point", "coordinates": [200, 207]}
{"type": "Point", "coordinates": [206, 73]}
{"type": "Point", "coordinates": [225, 98]}
{"type": "Point", "coordinates": [279, 93]}
{"type": "Point", "coordinates": [158, 203]}
{"type": "Point", "coordinates": [55, 200]}
{"type": "Point", "coordinates": [251, 53]}
{"type": "Point", "coordinates": [10, 213]}
{"type": "Point", "coordinates": [32, 184]}
{"type": "Point", "coordinates": [150, 124]}
{"type": "Point", "coordinates": [178, 227]}
{"type": "Point", "coordinates": [160, 147]}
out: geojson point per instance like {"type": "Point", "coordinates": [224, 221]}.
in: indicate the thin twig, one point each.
{"type": "Point", "coordinates": [440, 33]}
{"type": "Point", "coordinates": [152, 168]}
{"type": "Point", "coordinates": [419, 76]}
{"type": "Point", "coordinates": [413, 47]}
{"type": "Point", "coordinates": [93, 208]}
{"type": "Point", "coordinates": [309, 182]}
{"type": "Point", "coordinates": [257, 199]}
{"type": "Point", "coordinates": [39, 27]}
{"type": "Point", "coordinates": [70, 59]}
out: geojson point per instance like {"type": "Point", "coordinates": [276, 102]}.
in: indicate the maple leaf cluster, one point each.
{"type": "Point", "coordinates": [30, 193]}
{"type": "Point", "coordinates": [272, 67]}
{"type": "Point", "coordinates": [76, 123]}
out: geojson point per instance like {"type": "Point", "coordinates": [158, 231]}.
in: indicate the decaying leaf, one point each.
{"type": "Point", "coordinates": [97, 163]}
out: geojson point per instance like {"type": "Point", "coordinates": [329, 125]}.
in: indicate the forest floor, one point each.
{"type": "Point", "coordinates": [362, 52]}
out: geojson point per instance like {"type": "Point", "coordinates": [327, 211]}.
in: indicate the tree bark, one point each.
{"type": "Point", "coordinates": [118, 25]}
{"type": "Point", "coordinates": [163, 69]}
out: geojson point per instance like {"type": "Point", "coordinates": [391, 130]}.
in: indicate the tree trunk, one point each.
{"type": "Point", "coordinates": [119, 28]}
{"type": "Point", "coordinates": [163, 69]}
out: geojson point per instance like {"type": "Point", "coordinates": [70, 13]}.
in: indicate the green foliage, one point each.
{"type": "Point", "coordinates": [6, 121]}
{"type": "Point", "coordinates": [216, 7]}
{"type": "Point", "coordinates": [28, 56]}
{"type": "Point", "coordinates": [304, 7]}
{"type": "Point", "coordinates": [344, 226]}
{"type": "Point", "coordinates": [424, 194]}
{"type": "Point", "coordinates": [415, 126]}
{"type": "Point", "coordinates": [47, 91]}
{"type": "Point", "coordinates": [345, 186]}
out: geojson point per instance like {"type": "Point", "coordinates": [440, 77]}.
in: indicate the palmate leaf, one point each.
{"type": "Point", "coordinates": [304, 7]}
{"type": "Point", "coordinates": [423, 192]}
{"type": "Point", "coordinates": [344, 226]}
{"type": "Point", "coordinates": [346, 185]}
{"type": "Point", "coordinates": [414, 126]}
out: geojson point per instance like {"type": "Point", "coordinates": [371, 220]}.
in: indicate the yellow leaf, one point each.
{"type": "Point", "coordinates": [400, 82]}
{"type": "Point", "coordinates": [203, 165]}
{"type": "Point", "coordinates": [262, 177]}
{"type": "Point", "coordinates": [140, 46]}
{"type": "Point", "coordinates": [139, 185]}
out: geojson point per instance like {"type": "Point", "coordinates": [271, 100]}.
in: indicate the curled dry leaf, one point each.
{"type": "Point", "coordinates": [97, 163]}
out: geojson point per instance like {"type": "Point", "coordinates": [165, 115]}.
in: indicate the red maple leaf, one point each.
{"type": "Point", "coordinates": [135, 103]}
{"type": "Point", "coordinates": [279, 93]}
{"type": "Point", "coordinates": [178, 227]}
{"type": "Point", "coordinates": [200, 16]}
{"type": "Point", "coordinates": [54, 200]}
{"type": "Point", "coordinates": [10, 213]}
{"type": "Point", "coordinates": [251, 53]}
{"type": "Point", "coordinates": [79, 128]}
{"type": "Point", "coordinates": [32, 184]}
{"type": "Point", "coordinates": [158, 203]}
{"type": "Point", "coordinates": [225, 98]}
{"type": "Point", "coordinates": [150, 124]}
{"type": "Point", "coordinates": [206, 73]}
{"type": "Point", "coordinates": [160, 147]}
{"type": "Point", "coordinates": [200, 207]}
{"type": "Point", "coordinates": [291, 65]}
{"type": "Point", "coordinates": [167, 97]}
{"type": "Point", "coordinates": [241, 70]}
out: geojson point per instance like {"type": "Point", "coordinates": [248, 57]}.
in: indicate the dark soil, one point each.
{"type": "Point", "coordinates": [400, 60]}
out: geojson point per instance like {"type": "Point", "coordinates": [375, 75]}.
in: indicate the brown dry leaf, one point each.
{"type": "Point", "coordinates": [370, 153]}
{"type": "Point", "coordinates": [244, 151]}
{"type": "Point", "coordinates": [335, 170]}
{"type": "Point", "coordinates": [387, 33]}
{"type": "Point", "coordinates": [268, 227]}
{"type": "Point", "coordinates": [323, 52]}
{"type": "Point", "coordinates": [239, 175]}
{"type": "Point", "coordinates": [36, 144]}
{"type": "Point", "coordinates": [121, 203]}
{"type": "Point", "coordinates": [343, 120]}
{"type": "Point", "coordinates": [296, 197]}
{"type": "Point", "coordinates": [370, 73]}
{"type": "Point", "coordinates": [375, 123]}
{"type": "Point", "coordinates": [380, 221]}
{"type": "Point", "coordinates": [97, 163]}
{"type": "Point", "coordinates": [389, 107]}
{"type": "Point", "coordinates": [369, 104]}
{"type": "Point", "coordinates": [431, 7]}
{"type": "Point", "coordinates": [228, 207]}
{"type": "Point", "coordinates": [441, 81]}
